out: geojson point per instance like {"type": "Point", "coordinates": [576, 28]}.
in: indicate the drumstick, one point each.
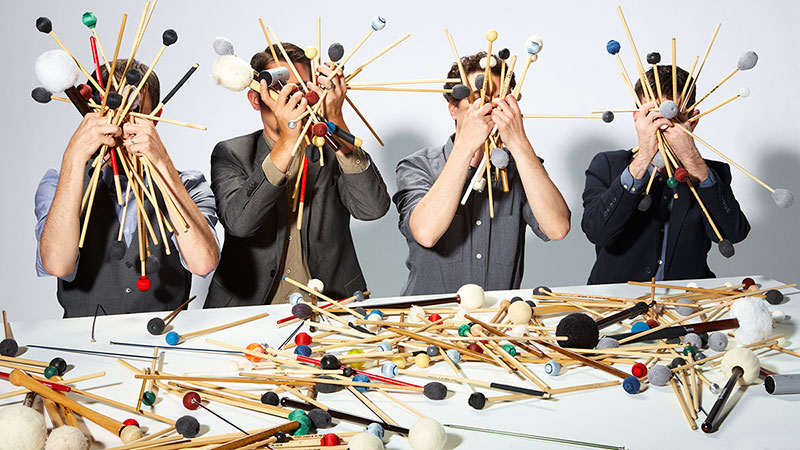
{"type": "Point", "coordinates": [302, 193]}
{"type": "Point", "coordinates": [127, 433]}
{"type": "Point", "coordinates": [639, 66]}
{"type": "Point", "coordinates": [358, 70]}
{"type": "Point", "coordinates": [461, 70]}
{"type": "Point", "coordinates": [364, 119]}
{"type": "Point", "coordinates": [174, 338]}
{"type": "Point", "coordinates": [174, 90]}
{"type": "Point", "coordinates": [533, 46]}
{"type": "Point", "coordinates": [743, 92]}
{"type": "Point", "coordinates": [44, 25]}
{"type": "Point", "coordinates": [700, 69]}
{"type": "Point", "coordinates": [169, 121]}
{"type": "Point", "coordinates": [674, 71]}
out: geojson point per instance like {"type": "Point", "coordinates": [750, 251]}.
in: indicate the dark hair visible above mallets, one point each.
{"type": "Point", "coordinates": [435, 390]}
{"type": "Point", "coordinates": [41, 95]}
{"type": "Point", "coordinates": [335, 51]}
{"type": "Point", "coordinates": [169, 37]}
{"type": "Point", "coordinates": [44, 25]}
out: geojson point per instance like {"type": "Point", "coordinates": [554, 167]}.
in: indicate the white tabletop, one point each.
{"type": "Point", "coordinates": [651, 419]}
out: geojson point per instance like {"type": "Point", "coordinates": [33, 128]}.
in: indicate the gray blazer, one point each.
{"type": "Point", "coordinates": [254, 214]}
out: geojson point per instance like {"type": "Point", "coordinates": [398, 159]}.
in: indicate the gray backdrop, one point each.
{"type": "Point", "coordinates": [574, 74]}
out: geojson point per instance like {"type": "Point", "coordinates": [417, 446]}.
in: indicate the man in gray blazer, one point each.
{"type": "Point", "coordinates": [267, 234]}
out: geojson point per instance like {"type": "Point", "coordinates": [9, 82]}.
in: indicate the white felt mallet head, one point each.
{"type": "Point", "coordinates": [747, 61]}
{"type": "Point", "coordinates": [378, 23]}
{"type": "Point", "coordinates": [22, 428]}
{"type": "Point", "coordinates": [744, 92]}
{"type": "Point", "coordinates": [56, 71]}
{"type": "Point", "coordinates": [471, 296]}
{"type": "Point", "coordinates": [427, 434]}
{"type": "Point", "coordinates": [223, 46]}
{"type": "Point", "coordinates": [744, 358]}
{"type": "Point", "coordinates": [316, 284]}
{"type": "Point", "coordinates": [232, 72]}
{"type": "Point", "coordinates": [533, 45]}
{"type": "Point", "coordinates": [482, 62]}
{"type": "Point", "coordinates": [365, 441]}
{"type": "Point", "coordinates": [755, 320]}
{"type": "Point", "coordinates": [519, 313]}
{"type": "Point", "coordinates": [67, 438]}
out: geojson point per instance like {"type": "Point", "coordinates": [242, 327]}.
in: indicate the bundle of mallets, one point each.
{"type": "Point", "coordinates": [676, 109]}
{"type": "Point", "coordinates": [59, 70]}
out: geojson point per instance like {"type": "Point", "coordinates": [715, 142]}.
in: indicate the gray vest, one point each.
{"type": "Point", "coordinates": [103, 279]}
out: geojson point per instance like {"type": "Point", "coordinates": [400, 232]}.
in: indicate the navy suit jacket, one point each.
{"type": "Point", "coordinates": [628, 241]}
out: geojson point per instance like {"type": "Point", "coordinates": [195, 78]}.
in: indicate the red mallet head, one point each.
{"type": "Point", "coordinates": [681, 174]}
{"type": "Point", "coordinates": [475, 348]}
{"type": "Point", "coordinates": [312, 98]}
{"type": "Point", "coordinates": [143, 283]}
{"type": "Point", "coordinates": [320, 129]}
{"type": "Point", "coordinates": [302, 339]}
{"type": "Point", "coordinates": [85, 91]}
{"type": "Point", "coordinates": [639, 370]}
{"type": "Point", "coordinates": [747, 282]}
{"type": "Point", "coordinates": [191, 401]}
{"type": "Point", "coordinates": [130, 422]}
{"type": "Point", "coordinates": [434, 317]}
{"type": "Point", "coordinates": [652, 323]}
{"type": "Point", "coordinates": [329, 440]}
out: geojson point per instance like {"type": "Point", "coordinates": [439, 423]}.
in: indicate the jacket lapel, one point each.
{"type": "Point", "coordinates": [680, 207]}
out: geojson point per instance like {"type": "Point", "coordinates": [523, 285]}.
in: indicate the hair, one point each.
{"type": "Point", "coordinates": [665, 77]}
{"type": "Point", "coordinates": [152, 86]}
{"type": "Point", "coordinates": [471, 64]}
{"type": "Point", "coordinates": [261, 60]}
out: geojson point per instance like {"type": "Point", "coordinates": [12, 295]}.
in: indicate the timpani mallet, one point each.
{"type": "Point", "coordinates": [741, 365]}
{"type": "Point", "coordinates": [156, 325]}
{"type": "Point", "coordinates": [174, 338]}
{"type": "Point", "coordinates": [533, 46]}
{"type": "Point", "coordinates": [44, 25]}
{"type": "Point", "coordinates": [192, 401]}
{"type": "Point", "coordinates": [782, 197]}
{"type": "Point", "coordinates": [8, 347]}
{"type": "Point", "coordinates": [747, 61]}
{"type": "Point", "coordinates": [127, 433]}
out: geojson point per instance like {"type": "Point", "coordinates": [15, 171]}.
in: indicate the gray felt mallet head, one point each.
{"type": "Point", "coordinates": [747, 61]}
{"type": "Point", "coordinates": [223, 46]}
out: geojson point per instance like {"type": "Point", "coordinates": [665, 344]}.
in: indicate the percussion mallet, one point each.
{"type": "Point", "coordinates": [156, 325]}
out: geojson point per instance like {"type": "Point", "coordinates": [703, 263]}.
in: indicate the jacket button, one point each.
{"type": "Point", "coordinates": [272, 273]}
{"type": "Point", "coordinates": [648, 270]}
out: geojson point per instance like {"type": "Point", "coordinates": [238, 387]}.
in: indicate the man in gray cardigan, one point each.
{"type": "Point", "coordinates": [267, 236]}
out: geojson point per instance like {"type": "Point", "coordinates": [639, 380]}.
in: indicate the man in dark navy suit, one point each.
{"type": "Point", "coordinates": [670, 238]}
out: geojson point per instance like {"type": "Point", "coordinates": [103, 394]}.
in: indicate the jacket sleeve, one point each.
{"type": "Point", "coordinates": [243, 199]}
{"type": "Point", "coordinates": [364, 193]}
{"type": "Point", "coordinates": [723, 206]}
{"type": "Point", "coordinates": [607, 205]}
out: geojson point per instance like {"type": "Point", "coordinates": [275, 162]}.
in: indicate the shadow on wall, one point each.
{"type": "Point", "coordinates": [566, 262]}
{"type": "Point", "coordinates": [381, 249]}
{"type": "Point", "coordinates": [770, 249]}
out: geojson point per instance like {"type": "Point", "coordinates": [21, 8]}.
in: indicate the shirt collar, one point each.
{"type": "Point", "coordinates": [448, 146]}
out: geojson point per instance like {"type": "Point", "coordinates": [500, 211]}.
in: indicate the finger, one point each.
{"type": "Point", "coordinates": [512, 102]}
{"type": "Point", "coordinates": [325, 71]}
{"type": "Point", "coordinates": [108, 129]}
{"type": "Point", "coordinates": [264, 93]}
{"type": "Point", "coordinates": [284, 94]}
{"type": "Point", "coordinates": [107, 140]}
{"type": "Point", "coordinates": [313, 87]}
{"type": "Point", "coordinates": [295, 99]}
{"type": "Point", "coordinates": [301, 106]}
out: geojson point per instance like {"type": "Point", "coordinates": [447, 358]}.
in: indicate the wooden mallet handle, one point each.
{"type": "Point", "coordinates": [20, 378]}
